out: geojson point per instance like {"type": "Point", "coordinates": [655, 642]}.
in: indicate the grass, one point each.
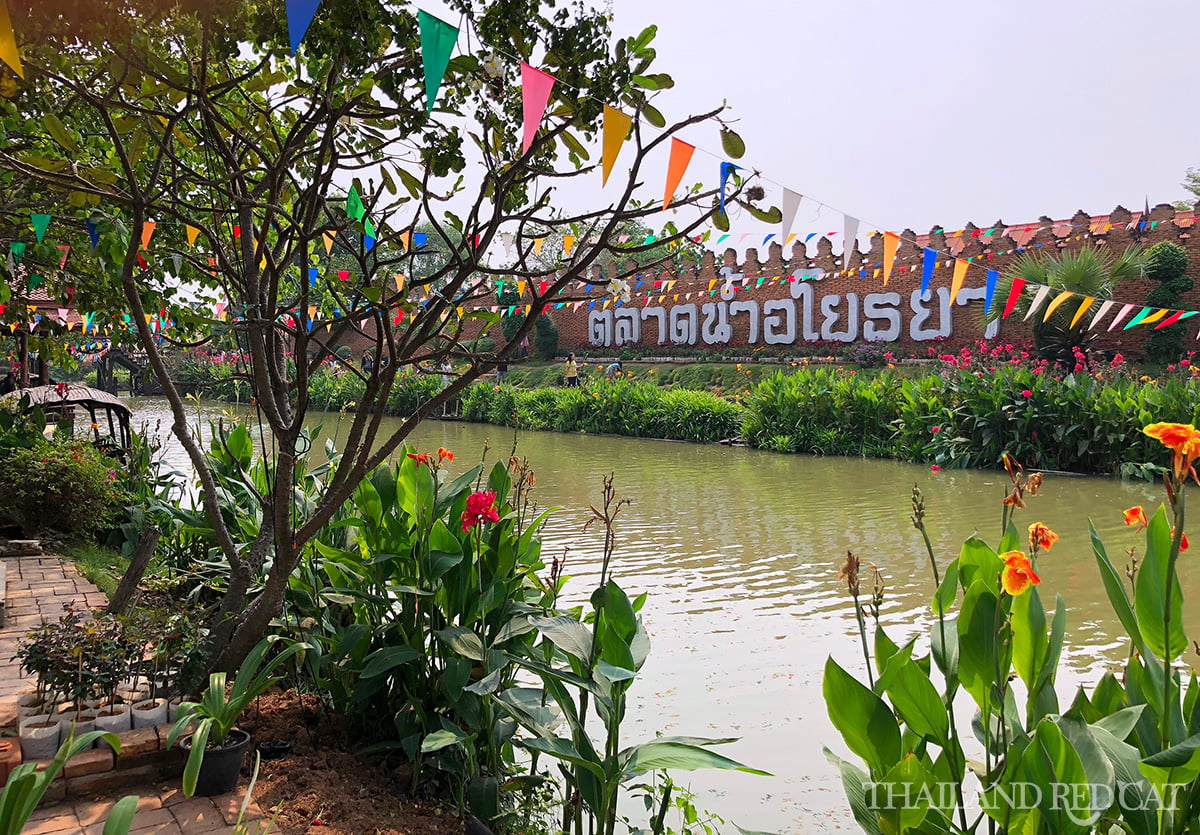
{"type": "Point", "coordinates": [102, 566]}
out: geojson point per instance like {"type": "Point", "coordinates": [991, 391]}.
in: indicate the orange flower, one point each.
{"type": "Point", "coordinates": [1041, 537]}
{"type": "Point", "coordinates": [1184, 442]}
{"type": "Point", "coordinates": [445, 454]}
{"type": "Point", "coordinates": [1136, 516]}
{"type": "Point", "coordinates": [1017, 575]}
{"type": "Point", "coordinates": [1183, 543]}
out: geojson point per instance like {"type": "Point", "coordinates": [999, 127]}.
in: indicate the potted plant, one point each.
{"type": "Point", "coordinates": [215, 747]}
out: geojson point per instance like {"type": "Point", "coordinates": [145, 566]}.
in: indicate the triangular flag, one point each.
{"type": "Point", "coordinates": [1155, 316]}
{"type": "Point", "coordinates": [956, 281]}
{"type": "Point", "coordinates": [1142, 314]}
{"type": "Point", "coordinates": [66, 252]}
{"type": "Point", "coordinates": [992, 278]}
{"type": "Point", "coordinates": [328, 238]}
{"type": "Point", "coordinates": [92, 229]}
{"type": "Point", "coordinates": [191, 232]}
{"type": "Point", "coordinates": [1054, 305]}
{"type": "Point", "coordinates": [299, 16]}
{"type": "Point", "coordinates": [850, 239]}
{"type": "Point", "coordinates": [147, 233]}
{"type": "Point", "coordinates": [354, 205]}
{"type": "Point", "coordinates": [40, 224]}
{"type": "Point", "coordinates": [399, 283]}
{"type": "Point", "coordinates": [535, 95]}
{"type": "Point", "coordinates": [791, 204]}
{"type": "Point", "coordinates": [1121, 314]}
{"type": "Point", "coordinates": [537, 245]}
{"type": "Point", "coordinates": [313, 272]}
{"type": "Point", "coordinates": [1173, 318]}
{"type": "Point", "coordinates": [681, 155]}
{"type": "Point", "coordinates": [1083, 306]}
{"type": "Point", "coordinates": [615, 131]}
{"type": "Point", "coordinates": [568, 245]}
{"type": "Point", "coordinates": [1018, 284]}
{"type": "Point", "coordinates": [930, 261]}
{"type": "Point", "coordinates": [8, 42]}
{"type": "Point", "coordinates": [727, 168]}
{"type": "Point", "coordinates": [891, 243]}
{"type": "Point", "coordinates": [1038, 298]}
{"type": "Point", "coordinates": [437, 42]}
{"type": "Point", "coordinates": [17, 250]}
{"type": "Point", "coordinates": [419, 239]}
{"type": "Point", "coordinates": [1104, 308]}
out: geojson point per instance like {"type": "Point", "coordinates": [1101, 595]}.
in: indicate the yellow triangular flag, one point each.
{"type": "Point", "coordinates": [616, 129]}
{"type": "Point", "coordinates": [712, 284]}
{"type": "Point", "coordinates": [1053, 306]}
{"type": "Point", "coordinates": [149, 316]}
{"type": "Point", "coordinates": [406, 239]}
{"type": "Point", "coordinates": [569, 242]}
{"type": "Point", "coordinates": [537, 245]}
{"type": "Point", "coordinates": [399, 283]}
{"type": "Point", "coordinates": [520, 288]}
{"type": "Point", "coordinates": [1083, 306]}
{"type": "Point", "coordinates": [192, 232]}
{"type": "Point", "coordinates": [891, 242]}
{"type": "Point", "coordinates": [956, 281]}
{"type": "Point", "coordinates": [1154, 317]}
{"type": "Point", "coordinates": [329, 237]}
{"type": "Point", "coordinates": [8, 42]}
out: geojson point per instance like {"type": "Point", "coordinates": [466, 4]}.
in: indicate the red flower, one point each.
{"type": "Point", "coordinates": [445, 454]}
{"type": "Point", "coordinates": [936, 429]}
{"type": "Point", "coordinates": [480, 508]}
{"type": "Point", "coordinates": [1136, 516]}
{"type": "Point", "coordinates": [420, 457]}
{"type": "Point", "coordinates": [935, 468]}
{"type": "Point", "coordinates": [1027, 393]}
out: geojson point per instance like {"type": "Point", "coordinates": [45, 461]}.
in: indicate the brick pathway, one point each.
{"type": "Point", "coordinates": [38, 588]}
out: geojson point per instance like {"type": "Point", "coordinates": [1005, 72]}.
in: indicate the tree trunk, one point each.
{"type": "Point", "coordinates": [121, 598]}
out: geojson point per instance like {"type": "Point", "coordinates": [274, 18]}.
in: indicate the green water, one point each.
{"type": "Point", "coordinates": [739, 551]}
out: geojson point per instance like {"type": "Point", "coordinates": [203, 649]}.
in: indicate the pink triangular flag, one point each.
{"type": "Point", "coordinates": [535, 95]}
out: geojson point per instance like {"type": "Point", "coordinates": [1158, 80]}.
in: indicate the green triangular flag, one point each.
{"type": "Point", "coordinates": [40, 224]}
{"type": "Point", "coordinates": [354, 204]}
{"type": "Point", "coordinates": [17, 248]}
{"type": "Point", "coordinates": [35, 281]}
{"type": "Point", "coordinates": [437, 42]}
{"type": "Point", "coordinates": [368, 229]}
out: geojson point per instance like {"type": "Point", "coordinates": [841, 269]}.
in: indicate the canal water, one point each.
{"type": "Point", "coordinates": [739, 551]}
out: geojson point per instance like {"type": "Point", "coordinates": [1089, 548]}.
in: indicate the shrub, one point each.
{"type": "Point", "coordinates": [545, 338]}
{"type": "Point", "coordinates": [1167, 264]}
{"type": "Point", "coordinates": [63, 486]}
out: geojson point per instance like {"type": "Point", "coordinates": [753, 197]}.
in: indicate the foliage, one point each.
{"type": "Point", "coordinates": [1120, 757]}
{"type": "Point", "coordinates": [81, 484]}
{"type": "Point", "coordinates": [75, 658]}
{"type": "Point", "coordinates": [620, 407]}
{"type": "Point", "coordinates": [28, 783]}
{"type": "Point", "coordinates": [1166, 263]}
{"type": "Point", "coordinates": [214, 716]}
{"type": "Point", "coordinates": [545, 339]}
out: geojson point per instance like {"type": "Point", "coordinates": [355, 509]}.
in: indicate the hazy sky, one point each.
{"type": "Point", "coordinates": [910, 114]}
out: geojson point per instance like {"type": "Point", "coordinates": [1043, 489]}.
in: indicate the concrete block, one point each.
{"type": "Point", "coordinates": [95, 761]}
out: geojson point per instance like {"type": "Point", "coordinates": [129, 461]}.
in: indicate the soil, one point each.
{"type": "Point", "coordinates": [323, 789]}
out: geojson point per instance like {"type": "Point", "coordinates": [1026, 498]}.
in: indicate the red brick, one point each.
{"type": "Point", "coordinates": [138, 743]}
{"type": "Point", "coordinates": [96, 761]}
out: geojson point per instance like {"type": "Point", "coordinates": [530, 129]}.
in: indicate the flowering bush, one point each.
{"type": "Point", "coordinates": [60, 486]}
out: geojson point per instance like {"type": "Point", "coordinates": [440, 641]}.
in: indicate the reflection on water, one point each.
{"type": "Point", "coordinates": [739, 551]}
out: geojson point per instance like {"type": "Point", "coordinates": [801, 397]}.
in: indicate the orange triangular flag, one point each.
{"type": "Point", "coordinates": [681, 155]}
{"type": "Point", "coordinates": [1054, 305]}
{"type": "Point", "coordinates": [1083, 306]}
{"type": "Point", "coordinates": [192, 232]}
{"type": "Point", "coordinates": [8, 42]}
{"type": "Point", "coordinates": [568, 244]}
{"type": "Point", "coordinates": [537, 245]}
{"type": "Point", "coordinates": [329, 237]}
{"type": "Point", "coordinates": [956, 281]}
{"type": "Point", "coordinates": [406, 239]}
{"type": "Point", "coordinates": [399, 283]}
{"type": "Point", "coordinates": [147, 232]}
{"type": "Point", "coordinates": [616, 129]}
{"type": "Point", "coordinates": [891, 242]}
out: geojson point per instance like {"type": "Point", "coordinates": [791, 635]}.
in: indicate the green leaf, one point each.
{"type": "Point", "coordinates": [651, 756]}
{"type": "Point", "coordinates": [1029, 640]}
{"type": "Point", "coordinates": [918, 703]}
{"type": "Point", "coordinates": [977, 561]}
{"type": "Point", "coordinates": [120, 817]}
{"type": "Point", "coordinates": [462, 641]}
{"type": "Point", "coordinates": [1135, 797]}
{"type": "Point", "coordinates": [411, 183]}
{"type": "Point", "coordinates": [1052, 764]}
{"type": "Point", "coordinates": [653, 116]}
{"type": "Point", "coordinates": [947, 590]}
{"type": "Point", "coordinates": [59, 133]}
{"type": "Point", "coordinates": [1121, 723]}
{"type": "Point", "coordinates": [854, 781]}
{"type": "Point", "coordinates": [982, 655]}
{"type": "Point", "coordinates": [442, 738]}
{"type": "Point", "coordinates": [384, 660]}
{"type": "Point", "coordinates": [568, 634]}
{"type": "Point", "coordinates": [863, 719]}
{"type": "Point", "coordinates": [1150, 593]}
{"type": "Point", "coordinates": [732, 144]}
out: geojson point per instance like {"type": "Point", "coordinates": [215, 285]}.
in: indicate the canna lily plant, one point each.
{"type": "Point", "coordinates": [1123, 756]}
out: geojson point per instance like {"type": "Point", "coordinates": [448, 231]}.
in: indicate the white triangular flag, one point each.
{"type": "Point", "coordinates": [791, 203]}
{"type": "Point", "coordinates": [850, 240]}
{"type": "Point", "coordinates": [1099, 314]}
{"type": "Point", "coordinates": [1037, 300]}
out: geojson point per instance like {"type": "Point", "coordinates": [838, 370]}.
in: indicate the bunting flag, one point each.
{"type": "Point", "coordinates": [40, 224]}
{"type": "Point", "coordinates": [538, 243]}
{"type": "Point", "coordinates": [400, 283]}
{"type": "Point", "coordinates": [1146, 317]}
{"type": "Point", "coordinates": [1014, 293]}
{"type": "Point", "coordinates": [960, 275]}
{"type": "Point", "coordinates": [791, 204]}
{"type": "Point", "coordinates": [615, 132]}
{"type": "Point", "coordinates": [1083, 307]}
{"type": "Point", "coordinates": [1177, 316]}
{"type": "Point", "coordinates": [419, 239]}
{"type": "Point", "coordinates": [891, 243]}
{"type": "Point", "coordinates": [147, 233]}
{"type": "Point", "coordinates": [300, 14]}
{"type": "Point", "coordinates": [681, 155]}
{"type": "Point", "coordinates": [437, 42]}
{"type": "Point", "coordinates": [1121, 314]}
{"type": "Point", "coordinates": [992, 278]}
{"type": "Point", "coordinates": [1104, 308]}
{"type": "Point", "coordinates": [328, 238]}
{"type": "Point", "coordinates": [535, 95]}
{"type": "Point", "coordinates": [1054, 305]}
{"type": "Point", "coordinates": [313, 272]}
{"type": "Point", "coordinates": [66, 253]}
{"type": "Point", "coordinates": [92, 230]}
{"type": "Point", "coordinates": [8, 42]}
{"type": "Point", "coordinates": [354, 205]}
{"type": "Point", "coordinates": [191, 232]}
{"type": "Point", "coordinates": [1038, 298]}
{"type": "Point", "coordinates": [727, 168]}
{"type": "Point", "coordinates": [849, 239]}
{"type": "Point", "coordinates": [17, 250]}
{"type": "Point", "coordinates": [568, 245]}
{"type": "Point", "coordinates": [927, 266]}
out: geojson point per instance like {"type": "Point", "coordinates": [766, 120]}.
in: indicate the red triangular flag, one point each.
{"type": "Point", "coordinates": [1015, 293]}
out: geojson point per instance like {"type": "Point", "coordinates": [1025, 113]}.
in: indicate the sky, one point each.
{"type": "Point", "coordinates": [922, 113]}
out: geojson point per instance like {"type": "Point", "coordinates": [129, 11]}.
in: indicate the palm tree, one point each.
{"type": "Point", "coordinates": [1088, 273]}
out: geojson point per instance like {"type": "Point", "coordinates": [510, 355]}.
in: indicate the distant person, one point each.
{"type": "Point", "coordinates": [612, 371]}
{"type": "Point", "coordinates": [502, 371]}
{"type": "Point", "coordinates": [571, 372]}
{"type": "Point", "coordinates": [368, 365]}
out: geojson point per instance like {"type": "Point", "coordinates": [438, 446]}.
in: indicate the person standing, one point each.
{"type": "Point", "coordinates": [571, 372]}
{"type": "Point", "coordinates": [502, 371]}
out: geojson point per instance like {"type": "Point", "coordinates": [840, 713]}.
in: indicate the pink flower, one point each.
{"type": "Point", "coordinates": [1027, 393]}
{"type": "Point", "coordinates": [1037, 371]}
{"type": "Point", "coordinates": [936, 429]}
{"type": "Point", "coordinates": [935, 468]}
{"type": "Point", "coordinates": [480, 508]}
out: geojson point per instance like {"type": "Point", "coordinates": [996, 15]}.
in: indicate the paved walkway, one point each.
{"type": "Point", "coordinates": [38, 590]}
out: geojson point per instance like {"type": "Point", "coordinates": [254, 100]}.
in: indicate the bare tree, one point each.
{"type": "Point", "coordinates": [199, 122]}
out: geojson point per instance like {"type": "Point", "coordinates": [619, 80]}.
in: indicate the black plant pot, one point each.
{"type": "Point", "coordinates": [220, 767]}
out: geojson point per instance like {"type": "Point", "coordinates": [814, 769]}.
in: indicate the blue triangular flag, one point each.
{"type": "Point", "coordinates": [727, 168]}
{"type": "Point", "coordinates": [368, 242]}
{"type": "Point", "coordinates": [312, 276]}
{"type": "Point", "coordinates": [927, 269]}
{"type": "Point", "coordinates": [93, 233]}
{"type": "Point", "coordinates": [299, 16]}
{"type": "Point", "coordinates": [419, 239]}
{"type": "Point", "coordinates": [992, 277]}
